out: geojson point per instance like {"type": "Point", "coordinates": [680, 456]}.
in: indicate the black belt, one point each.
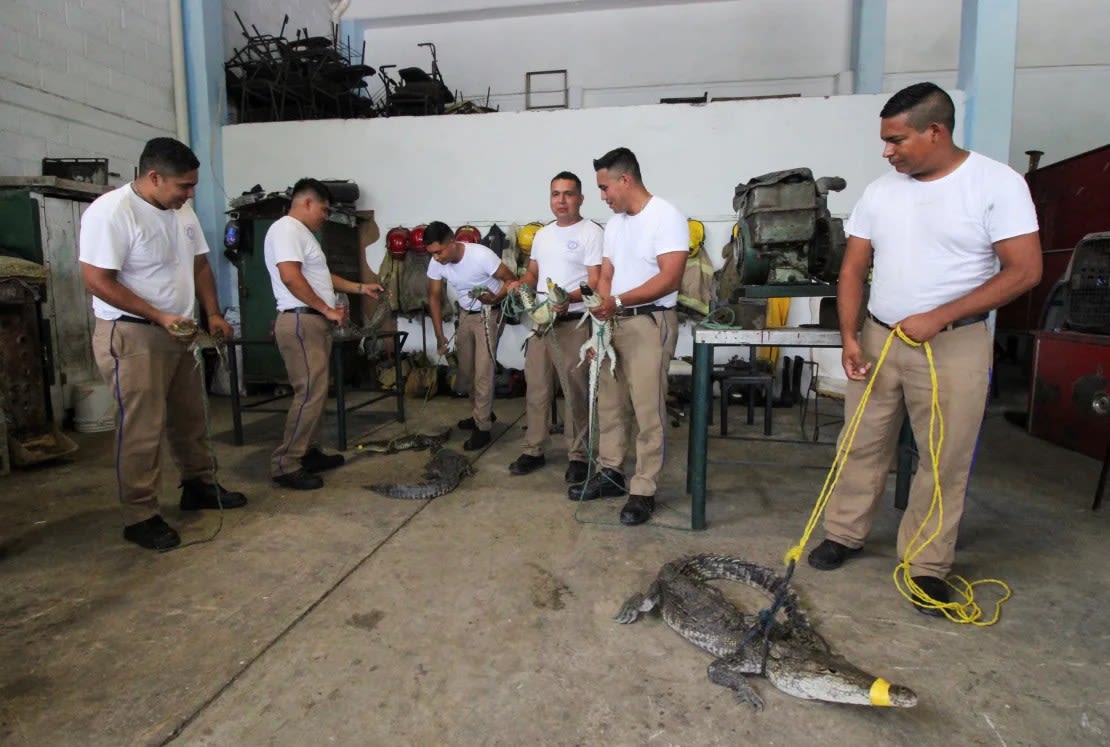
{"type": "Point", "coordinates": [569, 316]}
{"type": "Point", "coordinates": [302, 310]}
{"type": "Point", "coordinates": [468, 311]}
{"type": "Point", "coordinates": [648, 308]}
{"type": "Point", "coordinates": [134, 320]}
{"type": "Point", "coordinates": [946, 328]}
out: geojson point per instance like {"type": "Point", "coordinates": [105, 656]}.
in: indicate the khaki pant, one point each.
{"type": "Point", "coordinates": [551, 359]}
{"type": "Point", "coordinates": [476, 367]}
{"type": "Point", "coordinates": [902, 386]}
{"type": "Point", "coordinates": [157, 387]}
{"type": "Point", "coordinates": [304, 341]}
{"type": "Point", "coordinates": [644, 346]}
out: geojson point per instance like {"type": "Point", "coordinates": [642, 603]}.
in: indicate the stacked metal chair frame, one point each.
{"type": "Point", "coordinates": [272, 78]}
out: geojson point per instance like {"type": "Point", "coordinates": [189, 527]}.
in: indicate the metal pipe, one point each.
{"type": "Point", "coordinates": [180, 82]}
{"type": "Point", "coordinates": [1034, 159]}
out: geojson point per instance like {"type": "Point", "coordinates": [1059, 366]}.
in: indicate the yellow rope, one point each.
{"type": "Point", "coordinates": [967, 611]}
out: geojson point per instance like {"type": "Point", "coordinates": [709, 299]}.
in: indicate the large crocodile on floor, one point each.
{"type": "Point", "coordinates": [444, 471]}
{"type": "Point", "coordinates": [798, 661]}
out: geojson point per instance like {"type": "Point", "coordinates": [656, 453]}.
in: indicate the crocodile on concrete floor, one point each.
{"type": "Point", "coordinates": [443, 472]}
{"type": "Point", "coordinates": [416, 441]}
{"type": "Point", "coordinates": [798, 660]}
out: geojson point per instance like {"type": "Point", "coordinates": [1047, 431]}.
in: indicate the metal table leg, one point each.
{"type": "Point", "coordinates": [399, 341]}
{"type": "Point", "coordinates": [233, 381]}
{"type": "Point", "coordinates": [340, 395]}
{"type": "Point", "coordinates": [699, 434]}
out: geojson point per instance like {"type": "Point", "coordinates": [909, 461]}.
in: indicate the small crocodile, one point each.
{"type": "Point", "coordinates": [444, 471]}
{"type": "Point", "coordinates": [416, 441]}
{"type": "Point", "coordinates": [798, 661]}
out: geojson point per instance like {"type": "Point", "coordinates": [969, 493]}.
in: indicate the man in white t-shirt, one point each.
{"type": "Point", "coordinates": [646, 245]}
{"type": "Point", "coordinates": [304, 289]}
{"type": "Point", "coordinates": [937, 229]}
{"type": "Point", "coordinates": [142, 259]}
{"type": "Point", "coordinates": [566, 252]}
{"type": "Point", "coordinates": [466, 268]}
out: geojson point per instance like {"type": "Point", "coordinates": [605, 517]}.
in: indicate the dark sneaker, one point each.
{"type": "Point", "coordinates": [196, 494]}
{"type": "Point", "coordinates": [315, 460]}
{"type": "Point", "coordinates": [153, 534]}
{"type": "Point", "coordinates": [936, 589]}
{"type": "Point", "coordinates": [526, 463]}
{"type": "Point", "coordinates": [299, 480]}
{"type": "Point", "coordinates": [637, 509]}
{"type": "Point", "coordinates": [477, 440]}
{"type": "Point", "coordinates": [608, 483]}
{"type": "Point", "coordinates": [830, 555]}
{"type": "Point", "coordinates": [576, 473]}
{"type": "Point", "coordinates": [467, 424]}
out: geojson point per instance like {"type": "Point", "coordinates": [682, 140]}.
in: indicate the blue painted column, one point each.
{"type": "Point", "coordinates": [353, 32]}
{"type": "Point", "coordinates": [988, 53]}
{"type": "Point", "coordinates": [868, 45]}
{"type": "Point", "coordinates": [204, 69]}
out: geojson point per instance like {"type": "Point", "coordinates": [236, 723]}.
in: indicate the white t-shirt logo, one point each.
{"type": "Point", "coordinates": [572, 245]}
{"type": "Point", "coordinates": [191, 233]}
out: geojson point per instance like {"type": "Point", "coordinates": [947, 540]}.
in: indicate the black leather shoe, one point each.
{"type": "Point", "coordinates": [477, 440]}
{"type": "Point", "coordinates": [299, 480]}
{"type": "Point", "coordinates": [608, 483]}
{"type": "Point", "coordinates": [637, 509]}
{"type": "Point", "coordinates": [526, 463]}
{"type": "Point", "coordinates": [315, 460]}
{"type": "Point", "coordinates": [153, 534]}
{"type": "Point", "coordinates": [937, 589]}
{"type": "Point", "coordinates": [196, 494]}
{"type": "Point", "coordinates": [576, 473]}
{"type": "Point", "coordinates": [467, 424]}
{"type": "Point", "coordinates": [830, 555]}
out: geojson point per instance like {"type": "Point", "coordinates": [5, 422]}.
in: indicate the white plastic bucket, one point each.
{"type": "Point", "coordinates": [94, 410]}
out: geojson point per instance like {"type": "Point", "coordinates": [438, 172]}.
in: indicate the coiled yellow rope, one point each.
{"type": "Point", "coordinates": [967, 611]}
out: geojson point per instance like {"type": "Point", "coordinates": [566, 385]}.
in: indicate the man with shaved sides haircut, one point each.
{"type": "Point", "coordinates": [142, 254]}
{"type": "Point", "coordinates": [645, 248]}
{"type": "Point", "coordinates": [304, 289]}
{"type": "Point", "coordinates": [951, 235]}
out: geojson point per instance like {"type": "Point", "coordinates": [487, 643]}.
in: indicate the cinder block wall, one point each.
{"type": "Point", "coordinates": [87, 78]}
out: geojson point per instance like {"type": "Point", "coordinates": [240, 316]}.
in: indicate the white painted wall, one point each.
{"type": "Point", "coordinates": [634, 55]}
{"type": "Point", "coordinates": [82, 79]}
{"type": "Point", "coordinates": [640, 51]}
{"type": "Point", "coordinates": [496, 167]}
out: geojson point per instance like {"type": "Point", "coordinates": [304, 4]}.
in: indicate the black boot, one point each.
{"type": "Point", "coordinates": [786, 396]}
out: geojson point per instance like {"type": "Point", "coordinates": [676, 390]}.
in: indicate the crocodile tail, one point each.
{"type": "Point", "coordinates": [418, 492]}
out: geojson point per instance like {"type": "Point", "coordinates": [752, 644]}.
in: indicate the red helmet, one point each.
{"type": "Point", "coordinates": [416, 240]}
{"type": "Point", "coordinates": [468, 234]}
{"type": "Point", "coordinates": [397, 241]}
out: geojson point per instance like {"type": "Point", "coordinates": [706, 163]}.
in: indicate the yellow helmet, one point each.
{"type": "Point", "coordinates": [526, 235]}
{"type": "Point", "coordinates": [697, 235]}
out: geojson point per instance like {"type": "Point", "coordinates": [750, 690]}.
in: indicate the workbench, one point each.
{"type": "Point", "coordinates": [338, 380]}
{"type": "Point", "coordinates": [705, 342]}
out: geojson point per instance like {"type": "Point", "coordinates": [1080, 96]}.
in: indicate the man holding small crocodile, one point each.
{"type": "Point", "coordinates": [566, 252]}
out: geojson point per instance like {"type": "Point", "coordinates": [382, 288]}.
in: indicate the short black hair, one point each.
{"type": "Point", "coordinates": [621, 160]}
{"type": "Point", "coordinates": [569, 177]}
{"type": "Point", "coordinates": [926, 103]}
{"type": "Point", "coordinates": [313, 187]}
{"type": "Point", "coordinates": [167, 157]}
{"type": "Point", "coordinates": [438, 232]}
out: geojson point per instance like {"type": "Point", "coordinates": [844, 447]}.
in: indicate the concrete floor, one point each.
{"type": "Point", "coordinates": [485, 616]}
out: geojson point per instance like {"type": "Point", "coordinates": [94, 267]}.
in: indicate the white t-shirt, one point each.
{"type": "Point", "coordinates": [633, 243]}
{"type": "Point", "coordinates": [563, 253]}
{"type": "Point", "coordinates": [477, 266]}
{"type": "Point", "coordinates": [933, 240]}
{"type": "Point", "coordinates": [151, 249]}
{"type": "Point", "coordinates": [289, 240]}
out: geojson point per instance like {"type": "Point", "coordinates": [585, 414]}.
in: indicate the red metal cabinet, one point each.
{"type": "Point", "coordinates": [1069, 370]}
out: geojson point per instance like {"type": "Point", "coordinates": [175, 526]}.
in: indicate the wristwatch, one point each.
{"type": "Point", "coordinates": [619, 303]}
